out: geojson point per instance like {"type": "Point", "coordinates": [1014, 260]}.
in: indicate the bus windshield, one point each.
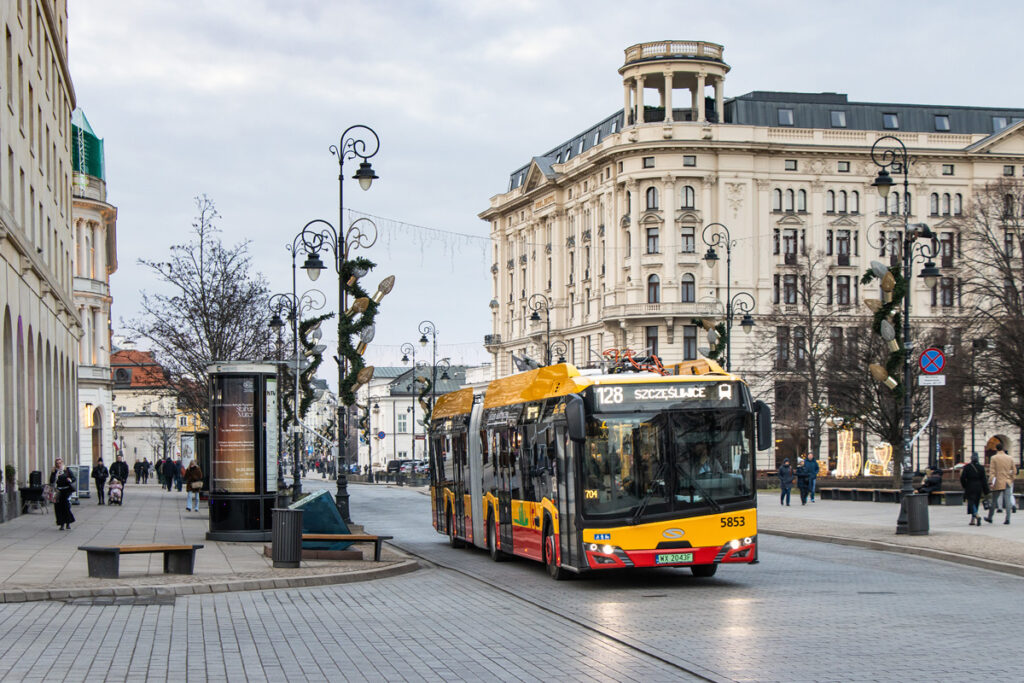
{"type": "Point", "coordinates": [651, 463]}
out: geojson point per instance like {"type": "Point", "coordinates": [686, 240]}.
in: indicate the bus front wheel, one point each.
{"type": "Point", "coordinates": [703, 571]}
{"type": "Point", "coordinates": [550, 555]}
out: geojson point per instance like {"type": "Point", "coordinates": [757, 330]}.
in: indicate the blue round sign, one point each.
{"type": "Point", "coordinates": [932, 361]}
{"type": "Point", "coordinates": [380, 435]}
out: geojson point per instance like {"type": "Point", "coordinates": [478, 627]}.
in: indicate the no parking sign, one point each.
{"type": "Point", "coordinates": [932, 361]}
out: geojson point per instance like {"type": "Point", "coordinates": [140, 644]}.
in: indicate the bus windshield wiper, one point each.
{"type": "Point", "coordinates": [704, 494]}
{"type": "Point", "coordinates": [650, 492]}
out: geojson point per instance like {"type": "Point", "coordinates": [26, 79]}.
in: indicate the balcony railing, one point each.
{"type": "Point", "coordinates": [666, 49]}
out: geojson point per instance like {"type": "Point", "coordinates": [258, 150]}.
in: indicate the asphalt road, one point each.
{"type": "Point", "coordinates": [808, 611]}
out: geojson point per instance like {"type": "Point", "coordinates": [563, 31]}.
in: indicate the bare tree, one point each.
{"type": "Point", "coordinates": [215, 308]}
{"type": "Point", "coordinates": [992, 271]}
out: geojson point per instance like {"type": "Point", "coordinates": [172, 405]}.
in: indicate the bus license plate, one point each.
{"type": "Point", "coordinates": [673, 558]}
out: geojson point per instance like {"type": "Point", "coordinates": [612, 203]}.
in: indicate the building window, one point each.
{"type": "Point", "coordinates": [946, 292]}
{"type": "Point", "coordinates": [781, 348]}
{"type": "Point", "coordinates": [941, 122]}
{"type": "Point", "coordinates": [652, 339]}
{"type": "Point", "coordinates": [785, 117]}
{"type": "Point", "coordinates": [1007, 170]}
{"type": "Point", "coordinates": [652, 240]}
{"type": "Point", "coordinates": [687, 239]}
{"type": "Point", "coordinates": [999, 122]}
{"type": "Point", "coordinates": [947, 169]}
{"type": "Point", "coordinates": [689, 342]}
{"type": "Point", "coordinates": [790, 164]}
{"type": "Point", "coordinates": [183, 422]}
{"type": "Point", "coordinates": [933, 204]}
{"type": "Point", "coordinates": [836, 337]}
{"type": "Point", "coordinates": [830, 202]}
{"type": "Point", "coordinates": [789, 289]}
{"type": "Point", "coordinates": [776, 200]}
{"type": "Point", "coordinates": [801, 201]}
{"type": "Point", "coordinates": [652, 198]}
{"type": "Point", "coordinates": [843, 290]}
{"type": "Point", "coordinates": [689, 198]}
{"type": "Point", "coordinates": [828, 289]}
{"type": "Point", "coordinates": [843, 167]}
{"type": "Point", "coordinates": [653, 289]}
{"type": "Point", "coordinates": [945, 205]}
{"type": "Point", "coordinates": [688, 289]}
{"type": "Point", "coordinates": [890, 121]}
{"type": "Point", "coordinates": [838, 119]}
{"type": "Point", "coordinates": [946, 244]}
{"type": "Point", "coordinates": [790, 202]}
{"type": "Point", "coordinates": [958, 204]}
{"type": "Point", "coordinates": [775, 289]}
{"type": "Point", "coordinates": [855, 202]}
{"type": "Point", "coordinates": [841, 203]}
{"type": "Point", "coordinates": [689, 160]}
{"type": "Point", "coordinates": [401, 423]}
{"type": "Point", "coordinates": [799, 347]}
{"type": "Point", "coordinates": [648, 162]}
{"type": "Point", "coordinates": [843, 247]}
{"type": "Point", "coordinates": [789, 246]}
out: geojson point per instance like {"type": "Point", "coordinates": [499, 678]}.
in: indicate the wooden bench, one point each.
{"type": "Point", "coordinates": [864, 495]}
{"type": "Point", "coordinates": [378, 541]}
{"type": "Point", "coordinates": [104, 561]}
{"type": "Point", "coordinates": [946, 498]}
{"type": "Point", "coordinates": [828, 493]}
{"type": "Point", "coordinates": [887, 495]}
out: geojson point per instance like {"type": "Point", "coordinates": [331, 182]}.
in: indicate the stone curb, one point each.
{"type": "Point", "coordinates": [168, 590]}
{"type": "Point", "coordinates": [931, 553]}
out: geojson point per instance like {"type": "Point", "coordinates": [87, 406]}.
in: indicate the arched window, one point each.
{"type": "Point", "coordinates": [687, 289]}
{"type": "Point", "coordinates": [894, 202]}
{"type": "Point", "coordinates": [830, 202]}
{"type": "Point", "coordinates": [653, 290]}
{"type": "Point", "coordinates": [958, 204]}
{"type": "Point", "coordinates": [776, 200]}
{"type": "Point", "coordinates": [1008, 206]}
{"type": "Point", "coordinates": [841, 206]}
{"type": "Point", "coordinates": [789, 200]}
{"type": "Point", "coordinates": [689, 201]}
{"type": "Point", "coordinates": [629, 201]}
{"type": "Point", "coordinates": [652, 198]}
{"type": "Point", "coordinates": [801, 201]}
{"type": "Point", "coordinates": [945, 204]}
{"type": "Point", "coordinates": [933, 204]}
{"type": "Point", "coordinates": [855, 202]}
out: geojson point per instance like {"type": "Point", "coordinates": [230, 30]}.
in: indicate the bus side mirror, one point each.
{"type": "Point", "coordinates": [763, 415]}
{"type": "Point", "coordinates": [575, 418]}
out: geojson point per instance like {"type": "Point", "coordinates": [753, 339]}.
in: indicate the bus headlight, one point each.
{"type": "Point", "coordinates": [607, 550]}
{"type": "Point", "coordinates": [593, 547]}
{"type": "Point", "coordinates": [748, 540]}
{"type": "Point", "coordinates": [734, 544]}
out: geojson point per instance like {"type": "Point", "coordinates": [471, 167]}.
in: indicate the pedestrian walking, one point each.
{"type": "Point", "coordinates": [1001, 472]}
{"type": "Point", "coordinates": [975, 483]}
{"type": "Point", "coordinates": [137, 467]}
{"type": "Point", "coordinates": [146, 466]}
{"type": "Point", "coordinates": [193, 485]}
{"type": "Point", "coordinates": [63, 482]}
{"type": "Point", "coordinates": [100, 473]}
{"type": "Point", "coordinates": [168, 472]}
{"type": "Point", "coordinates": [803, 481]}
{"type": "Point", "coordinates": [785, 481]}
{"type": "Point", "coordinates": [119, 471]}
{"type": "Point", "coordinates": [179, 474]}
{"type": "Point", "coordinates": [812, 469]}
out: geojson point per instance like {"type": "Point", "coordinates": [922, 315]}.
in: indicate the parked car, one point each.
{"type": "Point", "coordinates": [408, 467]}
{"type": "Point", "coordinates": [422, 467]}
{"type": "Point", "coordinates": [394, 466]}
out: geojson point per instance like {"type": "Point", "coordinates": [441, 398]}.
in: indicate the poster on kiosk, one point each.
{"type": "Point", "coordinates": [243, 450]}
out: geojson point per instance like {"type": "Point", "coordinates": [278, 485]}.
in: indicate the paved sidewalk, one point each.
{"type": "Point", "coordinates": [38, 561]}
{"type": "Point", "coordinates": [992, 546]}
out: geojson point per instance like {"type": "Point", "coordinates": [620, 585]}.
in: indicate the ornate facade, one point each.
{"type": "Point", "coordinates": [608, 226]}
{"type": "Point", "coordinates": [39, 322]}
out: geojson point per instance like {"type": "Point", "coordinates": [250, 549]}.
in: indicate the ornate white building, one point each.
{"type": "Point", "coordinates": [39, 323]}
{"type": "Point", "coordinates": [607, 227]}
{"type": "Point", "coordinates": [95, 260]}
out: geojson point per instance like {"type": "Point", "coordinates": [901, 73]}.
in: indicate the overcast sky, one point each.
{"type": "Point", "coordinates": [240, 100]}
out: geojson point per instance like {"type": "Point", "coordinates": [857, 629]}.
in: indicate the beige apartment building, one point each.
{"type": "Point", "coordinates": [39, 322]}
{"type": "Point", "coordinates": [608, 226]}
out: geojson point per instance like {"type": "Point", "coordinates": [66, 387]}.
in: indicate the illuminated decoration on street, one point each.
{"type": "Point", "coordinates": [880, 464]}
{"type": "Point", "coordinates": [848, 464]}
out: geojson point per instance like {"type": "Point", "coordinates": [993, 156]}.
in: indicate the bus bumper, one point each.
{"type": "Point", "coordinates": [742, 550]}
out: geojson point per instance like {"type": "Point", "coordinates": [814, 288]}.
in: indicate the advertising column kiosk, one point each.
{"type": "Point", "coordinates": [243, 450]}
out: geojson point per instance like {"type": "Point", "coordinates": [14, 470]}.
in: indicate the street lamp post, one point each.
{"type": "Point", "coordinates": [357, 142]}
{"type": "Point", "coordinates": [537, 303]}
{"type": "Point", "coordinates": [744, 301]}
{"type": "Point", "coordinates": [408, 350]}
{"type": "Point", "coordinates": [897, 159]}
{"type": "Point", "coordinates": [295, 306]}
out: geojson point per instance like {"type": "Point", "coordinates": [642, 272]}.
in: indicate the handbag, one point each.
{"type": "Point", "coordinates": [985, 504]}
{"type": "Point", "coordinates": [195, 486]}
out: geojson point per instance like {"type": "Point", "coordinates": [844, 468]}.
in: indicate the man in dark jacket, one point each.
{"type": "Point", "coordinates": [803, 481]}
{"type": "Point", "coordinates": [100, 474]}
{"type": "Point", "coordinates": [811, 467]}
{"type": "Point", "coordinates": [169, 470]}
{"type": "Point", "coordinates": [119, 471]}
{"type": "Point", "coordinates": [785, 481]}
{"type": "Point", "coordinates": [975, 482]}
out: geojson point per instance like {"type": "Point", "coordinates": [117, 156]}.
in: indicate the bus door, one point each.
{"type": "Point", "coordinates": [459, 472]}
{"type": "Point", "coordinates": [508, 486]}
{"type": "Point", "coordinates": [565, 469]}
{"type": "Point", "coordinates": [439, 475]}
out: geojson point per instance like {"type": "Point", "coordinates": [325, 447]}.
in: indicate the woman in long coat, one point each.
{"type": "Point", "coordinates": [64, 482]}
{"type": "Point", "coordinates": [975, 483]}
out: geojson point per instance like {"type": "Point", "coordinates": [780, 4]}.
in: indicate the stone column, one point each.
{"type": "Point", "coordinates": [719, 98]}
{"type": "Point", "coordinates": [667, 97]}
{"type": "Point", "coordinates": [640, 99]}
{"type": "Point", "coordinates": [82, 250]}
{"type": "Point", "coordinates": [633, 187]}
{"type": "Point", "coordinates": [99, 251]}
{"type": "Point", "coordinates": [700, 97]}
{"type": "Point", "coordinates": [626, 88]}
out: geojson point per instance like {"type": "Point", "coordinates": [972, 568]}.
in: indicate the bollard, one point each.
{"type": "Point", "coordinates": [286, 538]}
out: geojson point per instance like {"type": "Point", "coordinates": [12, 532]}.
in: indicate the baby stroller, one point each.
{"type": "Point", "coordinates": [114, 492]}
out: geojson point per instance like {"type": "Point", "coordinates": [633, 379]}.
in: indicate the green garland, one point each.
{"type": "Point", "coordinates": [424, 403]}
{"type": "Point", "coordinates": [305, 378]}
{"type": "Point", "coordinates": [715, 354]}
{"type": "Point", "coordinates": [894, 363]}
{"type": "Point", "coordinates": [353, 325]}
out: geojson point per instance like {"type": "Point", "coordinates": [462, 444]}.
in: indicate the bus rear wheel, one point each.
{"type": "Point", "coordinates": [452, 540]}
{"type": "Point", "coordinates": [492, 545]}
{"type": "Point", "coordinates": [704, 571]}
{"type": "Point", "coordinates": [550, 561]}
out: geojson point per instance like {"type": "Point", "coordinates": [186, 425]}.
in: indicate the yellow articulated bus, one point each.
{"type": "Point", "coordinates": [589, 470]}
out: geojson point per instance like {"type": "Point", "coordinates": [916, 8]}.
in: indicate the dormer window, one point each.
{"type": "Point", "coordinates": [785, 117]}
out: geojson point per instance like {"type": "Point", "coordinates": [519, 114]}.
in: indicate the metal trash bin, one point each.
{"type": "Point", "coordinates": [917, 513]}
{"type": "Point", "coordinates": [286, 538]}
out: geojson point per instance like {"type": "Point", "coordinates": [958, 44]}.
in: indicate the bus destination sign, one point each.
{"type": "Point", "coordinates": [688, 395]}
